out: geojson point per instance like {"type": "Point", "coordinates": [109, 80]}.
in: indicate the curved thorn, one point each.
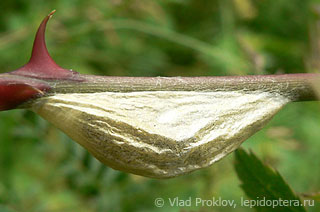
{"type": "Point", "coordinates": [41, 65]}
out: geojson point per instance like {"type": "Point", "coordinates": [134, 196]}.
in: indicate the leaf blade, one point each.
{"type": "Point", "coordinates": [260, 181]}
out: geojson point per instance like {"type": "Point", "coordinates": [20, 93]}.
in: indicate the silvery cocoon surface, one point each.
{"type": "Point", "coordinates": [160, 134]}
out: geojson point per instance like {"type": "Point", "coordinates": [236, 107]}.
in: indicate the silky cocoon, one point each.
{"type": "Point", "coordinates": [160, 134]}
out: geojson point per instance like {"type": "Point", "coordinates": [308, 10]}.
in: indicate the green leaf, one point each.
{"type": "Point", "coordinates": [264, 185]}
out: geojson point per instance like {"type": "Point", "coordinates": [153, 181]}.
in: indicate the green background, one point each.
{"type": "Point", "coordinates": [43, 170]}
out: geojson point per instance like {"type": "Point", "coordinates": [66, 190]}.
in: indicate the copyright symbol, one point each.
{"type": "Point", "coordinates": [159, 202]}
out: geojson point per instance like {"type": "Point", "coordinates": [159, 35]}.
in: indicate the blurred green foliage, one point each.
{"type": "Point", "coordinates": [43, 170]}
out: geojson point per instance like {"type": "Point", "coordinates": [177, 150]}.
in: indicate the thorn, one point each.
{"type": "Point", "coordinates": [51, 14]}
{"type": "Point", "coordinates": [41, 65]}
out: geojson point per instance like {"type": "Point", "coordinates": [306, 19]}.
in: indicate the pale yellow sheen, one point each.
{"type": "Point", "coordinates": [160, 134]}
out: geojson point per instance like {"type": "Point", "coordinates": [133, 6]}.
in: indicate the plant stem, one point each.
{"type": "Point", "coordinates": [297, 87]}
